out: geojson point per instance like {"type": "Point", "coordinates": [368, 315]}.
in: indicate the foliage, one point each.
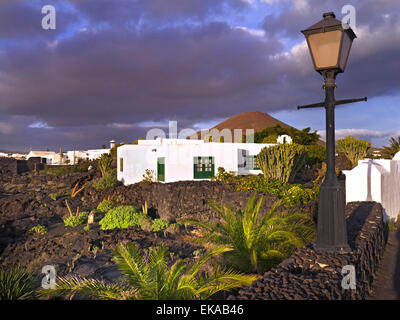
{"type": "Point", "coordinates": [108, 181]}
{"type": "Point", "coordinates": [290, 194]}
{"type": "Point", "coordinates": [104, 165]}
{"type": "Point", "coordinates": [148, 277]}
{"type": "Point", "coordinates": [282, 161]}
{"type": "Point", "coordinates": [354, 149]}
{"type": "Point", "coordinates": [16, 284]}
{"type": "Point", "coordinates": [303, 137]}
{"type": "Point", "coordinates": [316, 154]}
{"type": "Point", "coordinates": [259, 242]}
{"type": "Point", "coordinates": [54, 196]}
{"type": "Point", "coordinates": [77, 220]}
{"type": "Point", "coordinates": [106, 205]}
{"type": "Point", "coordinates": [224, 176]}
{"type": "Point", "coordinates": [149, 176]}
{"type": "Point", "coordinates": [296, 195]}
{"type": "Point", "coordinates": [87, 227]}
{"type": "Point", "coordinates": [122, 217]}
{"type": "Point", "coordinates": [270, 139]}
{"type": "Point", "coordinates": [39, 229]}
{"type": "Point", "coordinates": [61, 170]}
{"type": "Point", "coordinates": [393, 147]}
{"type": "Point", "coordinates": [159, 224]}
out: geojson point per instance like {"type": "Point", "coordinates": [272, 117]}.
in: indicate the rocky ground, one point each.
{"type": "Point", "coordinates": [25, 202]}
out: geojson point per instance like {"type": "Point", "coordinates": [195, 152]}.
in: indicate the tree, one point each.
{"type": "Point", "coordinates": [148, 277]}
{"type": "Point", "coordinates": [104, 164]}
{"type": "Point", "coordinates": [354, 149]}
{"type": "Point", "coordinates": [259, 243]}
{"type": "Point", "coordinates": [303, 137]}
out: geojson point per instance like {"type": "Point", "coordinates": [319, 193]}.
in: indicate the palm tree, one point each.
{"type": "Point", "coordinates": [148, 277]}
{"type": "Point", "coordinates": [393, 148]}
{"type": "Point", "coordinates": [259, 243]}
{"type": "Point", "coordinates": [16, 284]}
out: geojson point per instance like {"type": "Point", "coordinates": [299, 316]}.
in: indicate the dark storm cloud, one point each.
{"type": "Point", "coordinates": [94, 77]}
{"type": "Point", "coordinates": [21, 19]}
{"type": "Point", "coordinates": [121, 63]}
{"type": "Point", "coordinates": [119, 12]}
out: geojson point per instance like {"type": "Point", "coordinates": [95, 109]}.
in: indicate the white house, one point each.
{"type": "Point", "coordinates": [181, 159]}
{"type": "Point", "coordinates": [50, 156]}
{"type": "Point", "coordinates": [376, 180]}
{"type": "Point", "coordinates": [96, 153]}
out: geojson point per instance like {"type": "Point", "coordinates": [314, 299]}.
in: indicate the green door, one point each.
{"type": "Point", "coordinates": [203, 167]}
{"type": "Point", "coordinates": [161, 169]}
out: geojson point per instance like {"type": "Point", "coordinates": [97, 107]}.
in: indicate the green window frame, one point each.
{"type": "Point", "coordinates": [121, 164]}
{"type": "Point", "coordinates": [203, 167]}
{"type": "Point", "coordinates": [251, 163]}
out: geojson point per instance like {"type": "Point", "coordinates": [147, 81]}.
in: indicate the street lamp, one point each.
{"type": "Point", "coordinates": [329, 42]}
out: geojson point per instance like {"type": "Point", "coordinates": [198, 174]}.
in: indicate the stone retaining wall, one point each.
{"type": "Point", "coordinates": [308, 275]}
{"type": "Point", "coordinates": [186, 199]}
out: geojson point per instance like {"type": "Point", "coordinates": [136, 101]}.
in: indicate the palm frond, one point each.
{"type": "Point", "coordinates": [90, 288]}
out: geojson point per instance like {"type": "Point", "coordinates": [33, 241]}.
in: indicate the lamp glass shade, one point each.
{"type": "Point", "coordinates": [325, 49]}
{"type": "Point", "coordinates": [345, 50]}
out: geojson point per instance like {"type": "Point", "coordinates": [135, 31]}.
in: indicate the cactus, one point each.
{"type": "Point", "coordinates": [354, 149]}
{"type": "Point", "coordinates": [281, 162]}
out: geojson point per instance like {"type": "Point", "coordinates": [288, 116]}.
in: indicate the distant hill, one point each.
{"type": "Point", "coordinates": [256, 120]}
{"type": "Point", "coordinates": [250, 120]}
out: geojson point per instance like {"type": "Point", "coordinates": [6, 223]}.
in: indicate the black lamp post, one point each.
{"type": "Point", "coordinates": [330, 44]}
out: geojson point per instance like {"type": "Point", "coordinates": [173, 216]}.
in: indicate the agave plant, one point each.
{"type": "Point", "coordinates": [148, 277]}
{"type": "Point", "coordinates": [259, 243]}
{"type": "Point", "coordinates": [16, 284]}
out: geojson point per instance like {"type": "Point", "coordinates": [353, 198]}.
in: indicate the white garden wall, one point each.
{"type": "Point", "coordinates": [375, 180]}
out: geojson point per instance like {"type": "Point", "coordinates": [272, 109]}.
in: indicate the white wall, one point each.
{"type": "Point", "coordinates": [179, 155]}
{"type": "Point", "coordinates": [375, 180]}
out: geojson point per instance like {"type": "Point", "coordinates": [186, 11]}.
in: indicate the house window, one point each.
{"type": "Point", "coordinates": [203, 167]}
{"type": "Point", "coordinates": [251, 163]}
{"type": "Point", "coordinates": [121, 164]}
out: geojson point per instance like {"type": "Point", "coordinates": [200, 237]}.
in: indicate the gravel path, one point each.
{"type": "Point", "coordinates": [387, 281]}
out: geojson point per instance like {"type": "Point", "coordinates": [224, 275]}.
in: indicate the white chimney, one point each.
{"type": "Point", "coordinates": [112, 144]}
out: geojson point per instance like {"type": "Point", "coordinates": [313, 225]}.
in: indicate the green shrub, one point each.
{"type": "Point", "coordinates": [104, 165]}
{"type": "Point", "coordinates": [57, 171]}
{"type": "Point", "coordinates": [108, 181]}
{"type": "Point", "coordinates": [282, 161]}
{"type": "Point", "coordinates": [106, 205]}
{"type": "Point", "coordinates": [16, 284]}
{"type": "Point", "coordinates": [54, 196]}
{"type": "Point", "coordinates": [223, 176]}
{"type": "Point", "coordinates": [87, 227]}
{"type": "Point", "coordinates": [271, 139]}
{"type": "Point", "coordinates": [159, 224]}
{"type": "Point", "coordinates": [122, 217]}
{"type": "Point", "coordinates": [316, 154]}
{"type": "Point", "coordinates": [39, 229]}
{"type": "Point", "coordinates": [290, 194]}
{"type": "Point", "coordinates": [74, 221]}
{"type": "Point", "coordinates": [297, 195]}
